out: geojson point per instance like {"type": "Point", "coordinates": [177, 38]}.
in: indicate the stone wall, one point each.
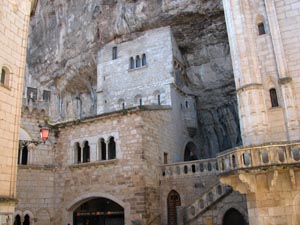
{"type": "Point", "coordinates": [14, 19]}
{"type": "Point", "coordinates": [126, 179]}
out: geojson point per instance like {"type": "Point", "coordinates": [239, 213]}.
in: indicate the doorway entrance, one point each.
{"type": "Point", "coordinates": [99, 211]}
{"type": "Point", "coordinates": [233, 217]}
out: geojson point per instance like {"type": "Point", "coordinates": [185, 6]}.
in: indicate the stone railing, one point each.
{"type": "Point", "coordinates": [210, 197]}
{"type": "Point", "coordinates": [259, 156]}
{"type": "Point", "coordinates": [206, 166]}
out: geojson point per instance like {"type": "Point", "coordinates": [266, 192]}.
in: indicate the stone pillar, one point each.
{"type": "Point", "coordinates": [248, 79]}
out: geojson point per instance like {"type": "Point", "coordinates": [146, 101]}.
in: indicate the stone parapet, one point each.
{"type": "Point", "coordinates": [253, 157]}
{"type": "Point", "coordinates": [205, 167]}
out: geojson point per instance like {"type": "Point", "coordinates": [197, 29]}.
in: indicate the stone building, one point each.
{"type": "Point", "coordinates": [14, 20]}
{"type": "Point", "coordinates": [127, 125]}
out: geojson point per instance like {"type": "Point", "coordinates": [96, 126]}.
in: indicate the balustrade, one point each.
{"type": "Point", "coordinates": [259, 156]}
{"type": "Point", "coordinates": [190, 168]}
{"type": "Point", "coordinates": [206, 200]}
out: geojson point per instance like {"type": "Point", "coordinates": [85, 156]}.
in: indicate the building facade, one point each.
{"type": "Point", "coordinates": [136, 160]}
{"type": "Point", "coordinates": [14, 20]}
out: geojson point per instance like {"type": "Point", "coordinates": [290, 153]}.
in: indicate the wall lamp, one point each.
{"type": "Point", "coordinates": [44, 133]}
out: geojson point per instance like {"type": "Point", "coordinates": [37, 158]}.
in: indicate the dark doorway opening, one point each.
{"type": "Point", "coordinates": [233, 217]}
{"type": "Point", "coordinates": [173, 202]}
{"type": "Point", "coordinates": [99, 211]}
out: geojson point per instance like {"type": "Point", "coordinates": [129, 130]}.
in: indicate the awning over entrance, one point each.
{"type": "Point", "coordinates": [23, 135]}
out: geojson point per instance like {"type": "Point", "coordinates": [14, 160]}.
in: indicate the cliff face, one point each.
{"type": "Point", "coordinates": [66, 35]}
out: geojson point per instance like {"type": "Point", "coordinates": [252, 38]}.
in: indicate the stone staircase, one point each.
{"type": "Point", "coordinates": [209, 198]}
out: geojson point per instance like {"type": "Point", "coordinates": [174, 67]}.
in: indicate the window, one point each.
{"type": "Point", "coordinates": [273, 96]}
{"type": "Point", "coordinates": [77, 153]}
{"type": "Point", "coordinates": [114, 53]}
{"type": "Point", "coordinates": [23, 155]}
{"type": "Point", "coordinates": [144, 61]}
{"type": "Point", "coordinates": [261, 28]}
{"type": "Point", "coordinates": [3, 76]}
{"type": "Point", "coordinates": [131, 65]}
{"type": "Point", "coordinates": [141, 101]}
{"type": "Point", "coordinates": [31, 94]}
{"type": "Point", "coordinates": [112, 148]}
{"type": "Point", "coordinates": [46, 96]}
{"type": "Point", "coordinates": [158, 99]}
{"type": "Point", "coordinates": [137, 61]}
{"type": "Point", "coordinates": [165, 158]}
{"type": "Point", "coordinates": [86, 152]}
{"type": "Point", "coordinates": [103, 149]}
{"type": "Point", "coordinates": [186, 104]}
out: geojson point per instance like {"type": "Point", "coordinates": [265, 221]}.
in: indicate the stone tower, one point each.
{"type": "Point", "coordinates": [14, 19]}
{"type": "Point", "coordinates": [264, 42]}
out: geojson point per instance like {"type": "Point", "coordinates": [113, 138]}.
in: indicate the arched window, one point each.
{"type": "Point", "coordinates": [190, 152]}
{"type": "Point", "coordinates": [144, 61]}
{"type": "Point", "coordinates": [273, 96]}
{"type": "Point", "coordinates": [158, 99]}
{"type": "Point", "coordinates": [86, 152]}
{"type": "Point", "coordinates": [121, 103]}
{"type": "Point", "coordinates": [102, 149]}
{"type": "Point", "coordinates": [77, 153]}
{"type": "Point", "coordinates": [137, 61]}
{"type": "Point", "coordinates": [261, 28]}
{"type": "Point", "coordinates": [131, 63]}
{"type": "Point", "coordinates": [17, 220]}
{"type": "Point", "coordinates": [114, 53]}
{"type": "Point", "coordinates": [186, 104]}
{"type": "Point", "coordinates": [3, 74]}
{"type": "Point", "coordinates": [26, 220]}
{"type": "Point", "coordinates": [173, 201]}
{"type": "Point", "coordinates": [112, 148]}
{"type": "Point", "coordinates": [23, 155]}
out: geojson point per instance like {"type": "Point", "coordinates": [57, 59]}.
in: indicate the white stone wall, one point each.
{"type": "Point", "coordinates": [117, 82]}
{"type": "Point", "coordinates": [14, 18]}
{"type": "Point", "coordinates": [262, 62]}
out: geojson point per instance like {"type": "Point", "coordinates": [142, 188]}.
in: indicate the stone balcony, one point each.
{"type": "Point", "coordinates": [255, 157]}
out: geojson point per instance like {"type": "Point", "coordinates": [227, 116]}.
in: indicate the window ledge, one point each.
{"type": "Point", "coordinates": [95, 163]}
{"type": "Point", "coordinates": [5, 86]}
{"type": "Point", "coordinates": [36, 167]}
{"type": "Point", "coordinates": [275, 108]}
{"type": "Point", "coordinates": [138, 68]}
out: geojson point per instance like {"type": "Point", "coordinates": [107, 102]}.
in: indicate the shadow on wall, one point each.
{"type": "Point", "coordinates": [219, 130]}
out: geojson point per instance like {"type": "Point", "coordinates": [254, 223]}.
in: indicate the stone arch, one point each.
{"type": "Point", "coordinates": [138, 99]}
{"type": "Point", "coordinates": [233, 217]}
{"type": "Point", "coordinates": [157, 97]}
{"type": "Point", "coordinates": [190, 151]}
{"type": "Point", "coordinates": [75, 203]}
{"type": "Point", "coordinates": [5, 75]}
{"type": "Point", "coordinates": [121, 103]}
{"type": "Point", "coordinates": [43, 217]}
{"type": "Point", "coordinates": [17, 217]}
{"type": "Point", "coordinates": [173, 201]}
{"type": "Point", "coordinates": [228, 206]}
{"type": "Point", "coordinates": [31, 216]}
{"type": "Point", "coordinates": [296, 210]}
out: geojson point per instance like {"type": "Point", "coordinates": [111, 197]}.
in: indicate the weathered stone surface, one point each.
{"type": "Point", "coordinates": [66, 36]}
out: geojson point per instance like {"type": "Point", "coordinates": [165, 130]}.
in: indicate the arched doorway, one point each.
{"type": "Point", "coordinates": [99, 211]}
{"type": "Point", "coordinates": [190, 152]}
{"type": "Point", "coordinates": [173, 202]}
{"type": "Point", "coordinates": [233, 217]}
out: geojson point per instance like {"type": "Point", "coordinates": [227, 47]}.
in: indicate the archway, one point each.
{"type": "Point", "coordinates": [190, 152]}
{"type": "Point", "coordinates": [173, 202]}
{"type": "Point", "coordinates": [99, 211]}
{"type": "Point", "coordinates": [17, 220]}
{"type": "Point", "coordinates": [233, 217]}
